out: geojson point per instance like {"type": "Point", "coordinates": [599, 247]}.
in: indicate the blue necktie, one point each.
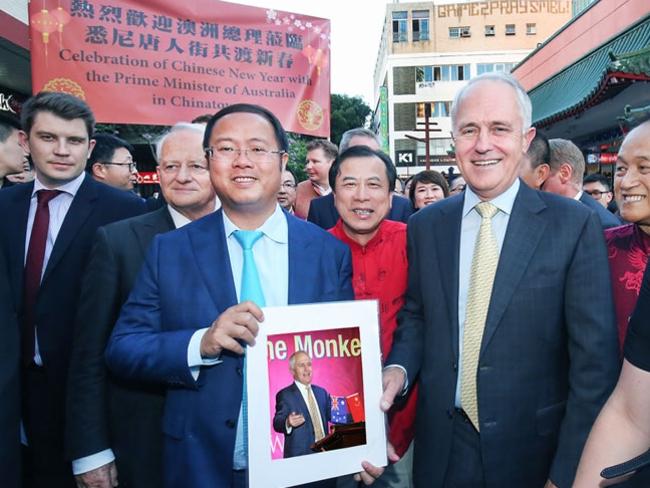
{"type": "Point", "coordinates": [251, 289]}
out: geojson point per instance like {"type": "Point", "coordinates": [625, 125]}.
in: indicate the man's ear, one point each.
{"type": "Point", "coordinates": [566, 172]}
{"type": "Point", "coordinates": [542, 173]}
{"type": "Point", "coordinates": [23, 139]}
{"type": "Point", "coordinates": [99, 171]}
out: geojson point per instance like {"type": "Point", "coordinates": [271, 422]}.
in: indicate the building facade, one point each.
{"type": "Point", "coordinates": [429, 50]}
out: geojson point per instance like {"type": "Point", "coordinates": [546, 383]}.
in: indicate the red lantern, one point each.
{"type": "Point", "coordinates": [62, 18]}
{"type": "Point", "coordinates": [44, 23]}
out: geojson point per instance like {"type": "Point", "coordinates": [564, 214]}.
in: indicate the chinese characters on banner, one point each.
{"type": "Point", "coordinates": [158, 62]}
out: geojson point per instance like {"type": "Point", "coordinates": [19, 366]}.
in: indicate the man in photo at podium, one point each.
{"type": "Point", "coordinates": [302, 410]}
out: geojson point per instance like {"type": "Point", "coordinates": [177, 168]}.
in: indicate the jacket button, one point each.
{"type": "Point", "coordinates": [455, 366]}
{"type": "Point", "coordinates": [239, 371]}
{"type": "Point", "coordinates": [230, 423]}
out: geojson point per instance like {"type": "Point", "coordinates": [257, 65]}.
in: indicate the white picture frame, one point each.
{"type": "Point", "coordinates": [299, 320]}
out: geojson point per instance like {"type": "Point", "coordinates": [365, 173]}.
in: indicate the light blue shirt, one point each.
{"type": "Point", "coordinates": [468, 233]}
{"type": "Point", "coordinates": [271, 253]}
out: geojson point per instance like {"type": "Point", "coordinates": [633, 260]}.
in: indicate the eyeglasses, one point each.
{"type": "Point", "coordinates": [229, 154]}
{"type": "Point", "coordinates": [597, 194]}
{"type": "Point", "coordinates": [132, 165]}
{"type": "Point", "coordinates": [194, 168]}
{"type": "Point", "coordinates": [288, 185]}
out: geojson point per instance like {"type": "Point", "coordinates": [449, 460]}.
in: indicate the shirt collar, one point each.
{"type": "Point", "coordinates": [503, 202]}
{"type": "Point", "coordinates": [275, 227]}
{"type": "Point", "coordinates": [300, 385]}
{"type": "Point", "coordinates": [579, 195]}
{"type": "Point", "coordinates": [71, 187]}
{"type": "Point", "coordinates": [180, 220]}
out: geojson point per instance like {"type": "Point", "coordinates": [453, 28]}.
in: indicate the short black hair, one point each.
{"type": "Point", "coordinates": [62, 105]}
{"type": "Point", "coordinates": [598, 178]}
{"type": "Point", "coordinates": [363, 152]}
{"type": "Point", "coordinates": [280, 134]}
{"type": "Point", "coordinates": [8, 125]}
{"type": "Point", "coordinates": [293, 173]}
{"type": "Point", "coordinates": [539, 151]}
{"type": "Point", "coordinates": [105, 147]}
{"type": "Point", "coordinates": [428, 176]}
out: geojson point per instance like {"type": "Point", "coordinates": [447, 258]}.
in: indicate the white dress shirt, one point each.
{"type": "Point", "coordinates": [468, 233]}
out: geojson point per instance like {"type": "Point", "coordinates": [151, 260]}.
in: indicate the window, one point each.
{"type": "Point", "coordinates": [445, 72]}
{"type": "Point", "coordinates": [510, 29]}
{"type": "Point", "coordinates": [420, 25]}
{"type": "Point", "coordinates": [490, 67]}
{"type": "Point", "coordinates": [400, 27]}
{"type": "Point", "coordinates": [489, 30]}
{"type": "Point", "coordinates": [438, 109]}
{"type": "Point", "coordinates": [463, 31]}
{"type": "Point", "coordinates": [531, 29]}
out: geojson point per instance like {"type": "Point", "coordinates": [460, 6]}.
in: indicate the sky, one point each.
{"type": "Point", "coordinates": [356, 32]}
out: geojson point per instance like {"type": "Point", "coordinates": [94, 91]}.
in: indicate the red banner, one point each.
{"type": "Point", "coordinates": [160, 62]}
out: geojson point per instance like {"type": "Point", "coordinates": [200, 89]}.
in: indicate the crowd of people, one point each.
{"type": "Point", "coordinates": [507, 305]}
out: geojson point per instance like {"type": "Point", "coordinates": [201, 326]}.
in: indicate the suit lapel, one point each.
{"type": "Point", "coordinates": [525, 229]}
{"type": "Point", "coordinates": [208, 241]}
{"type": "Point", "coordinates": [159, 222]}
{"type": "Point", "coordinates": [301, 263]}
{"type": "Point", "coordinates": [82, 205]}
{"type": "Point", "coordinates": [448, 249]}
{"type": "Point", "coordinates": [17, 230]}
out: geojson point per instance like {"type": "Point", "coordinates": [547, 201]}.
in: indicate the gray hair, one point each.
{"type": "Point", "coordinates": [356, 132]}
{"type": "Point", "coordinates": [178, 127]}
{"type": "Point", "coordinates": [292, 358]}
{"type": "Point", "coordinates": [525, 107]}
{"type": "Point", "coordinates": [565, 151]}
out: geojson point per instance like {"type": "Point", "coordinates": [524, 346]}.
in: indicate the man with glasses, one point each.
{"type": "Point", "coordinates": [119, 421]}
{"type": "Point", "coordinates": [287, 193]}
{"type": "Point", "coordinates": [597, 187]}
{"type": "Point", "coordinates": [111, 162]}
{"type": "Point", "coordinates": [197, 302]}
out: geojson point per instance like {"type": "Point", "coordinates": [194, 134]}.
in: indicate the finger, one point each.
{"type": "Point", "coordinates": [370, 473]}
{"type": "Point", "coordinates": [113, 475]}
{"type": "Point", "coordinates": [231, 344]}
{"type": "Point", "coordinates": [391, 453]}
{"type": "Point", "coordinates": [254, 309]}
{"type": "Point", "coordinates": [248, 320]}
{"type": "Point", "coordinates": [242, 333]}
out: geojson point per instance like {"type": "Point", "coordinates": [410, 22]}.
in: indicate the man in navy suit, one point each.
{"type": "Point", "coordinates": [45, 236]}
{"type": "Point", "coordinates": [301, 424]}
{"type": "Point", "coordinates": [184, 324]}
{"type": "Point", "coordinates": [567, 170]}
{"type": "Point", "coordinates": [524, 275]}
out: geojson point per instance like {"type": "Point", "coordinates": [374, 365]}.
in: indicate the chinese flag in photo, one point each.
{"type": "Point", "coordinates": [355, 407]}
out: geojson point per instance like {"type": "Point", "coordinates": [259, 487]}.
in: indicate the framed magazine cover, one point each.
{"type": "Point", "coordinates": [335, 349]}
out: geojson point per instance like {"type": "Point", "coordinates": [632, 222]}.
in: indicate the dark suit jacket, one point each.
{"type": "Point", "coordinates": [607, 218]}
{"type": "Point", "coordinates": [9, 386]}
{"type": "Point", "coordinates": [290, 400]}
{"type": "Point", "coordinates": [323, 213]}
{"type": "Point", "coordinates": [104, 411]}
{"type": "Point", "coordinates": [94, 205]}
{"type": "Point", "coordinates": [185, 283]}
{"type": "Point", "coordinates": [549, 354]}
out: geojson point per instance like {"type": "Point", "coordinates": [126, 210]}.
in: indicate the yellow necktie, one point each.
{"type": "Point", "coordinates": [313, 413]}
{"type": "Point", "coordinates": [484, 267]}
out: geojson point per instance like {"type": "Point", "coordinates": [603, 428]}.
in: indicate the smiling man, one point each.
{"type": "Point", "coordinates": [45, 235]}
{"type": "Point", "coordinates": [302, 410]}
{"type": "Point", "coordinates": [197, 303]}
{"type": "Point", "coordinates": [363, 181]}
{"type": "Point", "coordinates": [508, 321]}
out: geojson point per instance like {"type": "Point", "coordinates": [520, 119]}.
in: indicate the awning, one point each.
{"type": "Point", "coordinates": [598, 75]}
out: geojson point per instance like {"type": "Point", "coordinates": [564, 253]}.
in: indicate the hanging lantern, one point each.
{"type": "Point", "coordinates": [44, 23]}
{"type": "Point", "coordinates": [62, 19]}
{"type": "Point", "coordinates": [308, 52]}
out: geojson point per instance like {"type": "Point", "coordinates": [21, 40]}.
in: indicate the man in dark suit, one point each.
{"type": "Point", "coordinates": [9, 386]}
{"type": "Point", "coordinates": [185, 321]}
{"type": "Point", "coordinates": [567, 170]}
{"type": "Point", "coordinates": [508, 321]}
{"type": "Point", "coordinates": [104, 413]}
{"type": "Point", "coordinates": [45, 235]}
{"type": "Point", "coordinates": [302, 410]}
{"type": "Point", "coordinates": [12, 153]}
{"type": "Point", "coordinates": [322, 211]}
